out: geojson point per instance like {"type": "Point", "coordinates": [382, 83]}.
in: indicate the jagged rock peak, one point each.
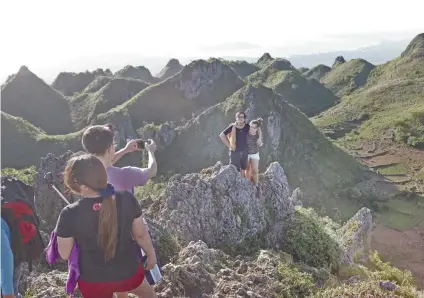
{"type": "Point", "coordinates": [23, 69]}
{"type": "Point", "coordinates": [415, 49]}
{"type": "Point", "coordinates": [339, 60]}
{"type": "Point", "coordinates": [265, 59]}
{"type": "Point", "coordinates": [173, 63]}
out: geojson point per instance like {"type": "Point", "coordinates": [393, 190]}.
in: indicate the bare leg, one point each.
{"type": "Point", "coordinates": [254, 170]}
{"type": "Point", "coordinates": [122, 295]}
{"type": "Point", "coordinates": [144, 290]}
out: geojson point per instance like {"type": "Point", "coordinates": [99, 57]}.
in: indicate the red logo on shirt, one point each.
{"type": "Point", "coordinates": [97, 206]}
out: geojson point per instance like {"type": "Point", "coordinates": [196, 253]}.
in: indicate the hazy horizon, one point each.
{"type": "Point", "coordinates": [49, 37]}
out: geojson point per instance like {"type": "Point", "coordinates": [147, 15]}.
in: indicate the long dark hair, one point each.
{"type": "Point", "coordinates": [88, 170]}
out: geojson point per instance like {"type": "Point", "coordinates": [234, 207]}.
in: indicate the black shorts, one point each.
{"type": "Point", "coordinates": [239, 159]}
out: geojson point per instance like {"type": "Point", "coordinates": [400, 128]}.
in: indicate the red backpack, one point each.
{"type": "Point", "coordinates": [18, 210]}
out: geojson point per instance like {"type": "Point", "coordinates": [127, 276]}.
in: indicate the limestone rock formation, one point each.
{"type": "Point", "coordinates": [138, 73]}
{"type": "Point", "coordinates": [201, 271]}
{"type": "Point", "coordinates": [415, 49]}
{"type": "Point", "coordinates": [162, 134]}
{"type": "Point", "coordinates": [338, 61]}
{"type": "Point", "coordinates": [219, 207]}
{"type": "Point", "coordinates": [356, 235]}
{"type": "Point", "coordinates": [47, 201]}
{"type": "Point", "coordinates": [264, 60]}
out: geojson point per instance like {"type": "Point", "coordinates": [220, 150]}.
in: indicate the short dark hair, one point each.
{"type": "Point", "coordinates": [239, 113]}
{"type": "Point", "coordinates": [98, 138]}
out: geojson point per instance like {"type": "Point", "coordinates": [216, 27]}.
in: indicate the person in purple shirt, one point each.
{"type": "Point", "coordinates": [99, 141]}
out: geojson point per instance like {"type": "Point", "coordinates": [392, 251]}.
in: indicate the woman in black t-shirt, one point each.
{"type": "Point", "coordinates": [108, 229]}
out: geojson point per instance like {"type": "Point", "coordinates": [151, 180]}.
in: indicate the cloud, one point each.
{"type": "Point", "coordinates": [230, 46]}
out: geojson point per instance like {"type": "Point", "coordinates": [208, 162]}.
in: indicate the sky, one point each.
{"type": "Point", "coordinates": [69, 34]}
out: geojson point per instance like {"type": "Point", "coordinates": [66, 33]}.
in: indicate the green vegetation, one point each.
{"type": "Point", "coordinates": [317, 72]}
{"type": "Point", "coordinates": [294, 283]}
{"type": "Point", "coordinates": [391, 101]}
{"type": "Point", "coordinates": [86, 106]}
{"type": "Point", "coordinates": [27, 175]}
{"type": "Point", "coordinates": [312, 240]}
{"type": "Point", "coordinates": [347, 77]}
{"type": "Point", "coordinates": [309, 96]}
{"type": "Point", "coordinates": [26, 144]}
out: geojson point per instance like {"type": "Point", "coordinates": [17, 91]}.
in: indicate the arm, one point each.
{"type": "Point", "coordinates": [130, 147]}
{"type": "Point", "coordinates": [152, 167]}
{"type": "Point", "coordinates": [65, 240]}
{"type": "Point", "coordinates": [260, 141]}
{"type": "Point", "coordinates": [223, 135]}
{"type": "Point", "coordinates": [141, 236]}
{"type": "Point", "coordinates": [65, 247]}
{"type": "Point", "coordinates": [6, 264]}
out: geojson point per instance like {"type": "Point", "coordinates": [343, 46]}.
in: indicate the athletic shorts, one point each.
{"type": "Point", "coordinates": [239, 159]}
{"type": "Point", "coordinates": [106, 289]}
{"type": "Point", "coordinates": [253, 156]}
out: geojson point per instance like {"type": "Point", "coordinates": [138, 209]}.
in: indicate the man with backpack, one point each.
{"type": "Point", "coordinates": [20, 237]}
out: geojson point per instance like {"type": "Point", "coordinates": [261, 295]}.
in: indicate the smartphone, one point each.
{"type": "Point", "coordinates": [140, 143]}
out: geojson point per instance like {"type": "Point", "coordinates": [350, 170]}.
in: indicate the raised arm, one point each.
{"type": "Point", "coordinates": [260, 140]}
{"type": "Point", "coordinates": [130, 147]}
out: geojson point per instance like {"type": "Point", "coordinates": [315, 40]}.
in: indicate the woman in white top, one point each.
{"type": "Point", "coordinates": [254, 141]}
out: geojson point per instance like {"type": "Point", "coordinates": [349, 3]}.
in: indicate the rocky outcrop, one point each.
{"type": "Point", "coordinates": [200, 76]}
{"type": "Point", "coordinates": [338, 61]}
{"type": "Point", "coordinates": [162, 134]}
{"type": "Point", "coordinates": [264, 60]}
{"type": "Point", "coordinates": [47, 201]}
{"type": "Point", "coordinates": [201, 271]}
{"type": "Point", "coordinates": [356, 236]}
{"type": "Point", "coordinates": [69, 83]}
{"type": "Point", "coordinates": [220, 208]}
{"type": "Point", "coordinates": [317, 72]}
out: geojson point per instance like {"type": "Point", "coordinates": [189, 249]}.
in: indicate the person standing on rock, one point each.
{"type": "Point", "coordinates": [235, 138]}
{"type": "Point", "coordinates": [254, 141]}
{"type": "Point", "coordinates": [99, 141]}
{"type": "Point", "coordinates": [108, 232]}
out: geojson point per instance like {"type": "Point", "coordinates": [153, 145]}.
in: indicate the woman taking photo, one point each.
{"type": "Point", "coordinates": [108, 230]}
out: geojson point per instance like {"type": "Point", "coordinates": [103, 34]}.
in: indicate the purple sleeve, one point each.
{"type": "Point", "coordinates": [228, 130]}
{"type": "Point", "coordinates": [133, 176]}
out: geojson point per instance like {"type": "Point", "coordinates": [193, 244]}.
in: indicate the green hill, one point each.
{"type": "Point", "coordinates": [346, 77]}
{"type": "Point", "coordinates": [308, 95]}
{"type": "Point", "coordinates": [69, 83]}
{"type": "Point", "coordinates": [243, 68]}
{"type": "Point", "coordinates": [138, 73]}
{"type": "Point", "coordinates": [23, 144]}
{"type": "Point", "coordinates": [171, 68]}
{"type": "Point", "coordinates": [391, 103]}
{"type": "Point", "coordinates": [26, 95]}
{"type": "Point", "coordinates": [310, 161]}
{"type": "Point", "coordinates": [199, 85]}
{"type": "Point", "coordinates": [86, 106]}
{"type": "Point", "coordinates": [317, 72]}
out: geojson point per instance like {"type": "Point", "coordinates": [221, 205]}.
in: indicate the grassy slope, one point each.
{"type": "Point", "coordinates": [394, 102]}
{"type": "Point", "coordinates": [23, 144]}
{"type": "Point", "coordinates": [308, 95]}
{"type": "Point", "coordinates": [347, 77]}
{"type": "Point", "coordinates": [85, 106]}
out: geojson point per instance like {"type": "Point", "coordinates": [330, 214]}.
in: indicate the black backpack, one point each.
{"type": "Point", "coordinates": [18, 210]}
